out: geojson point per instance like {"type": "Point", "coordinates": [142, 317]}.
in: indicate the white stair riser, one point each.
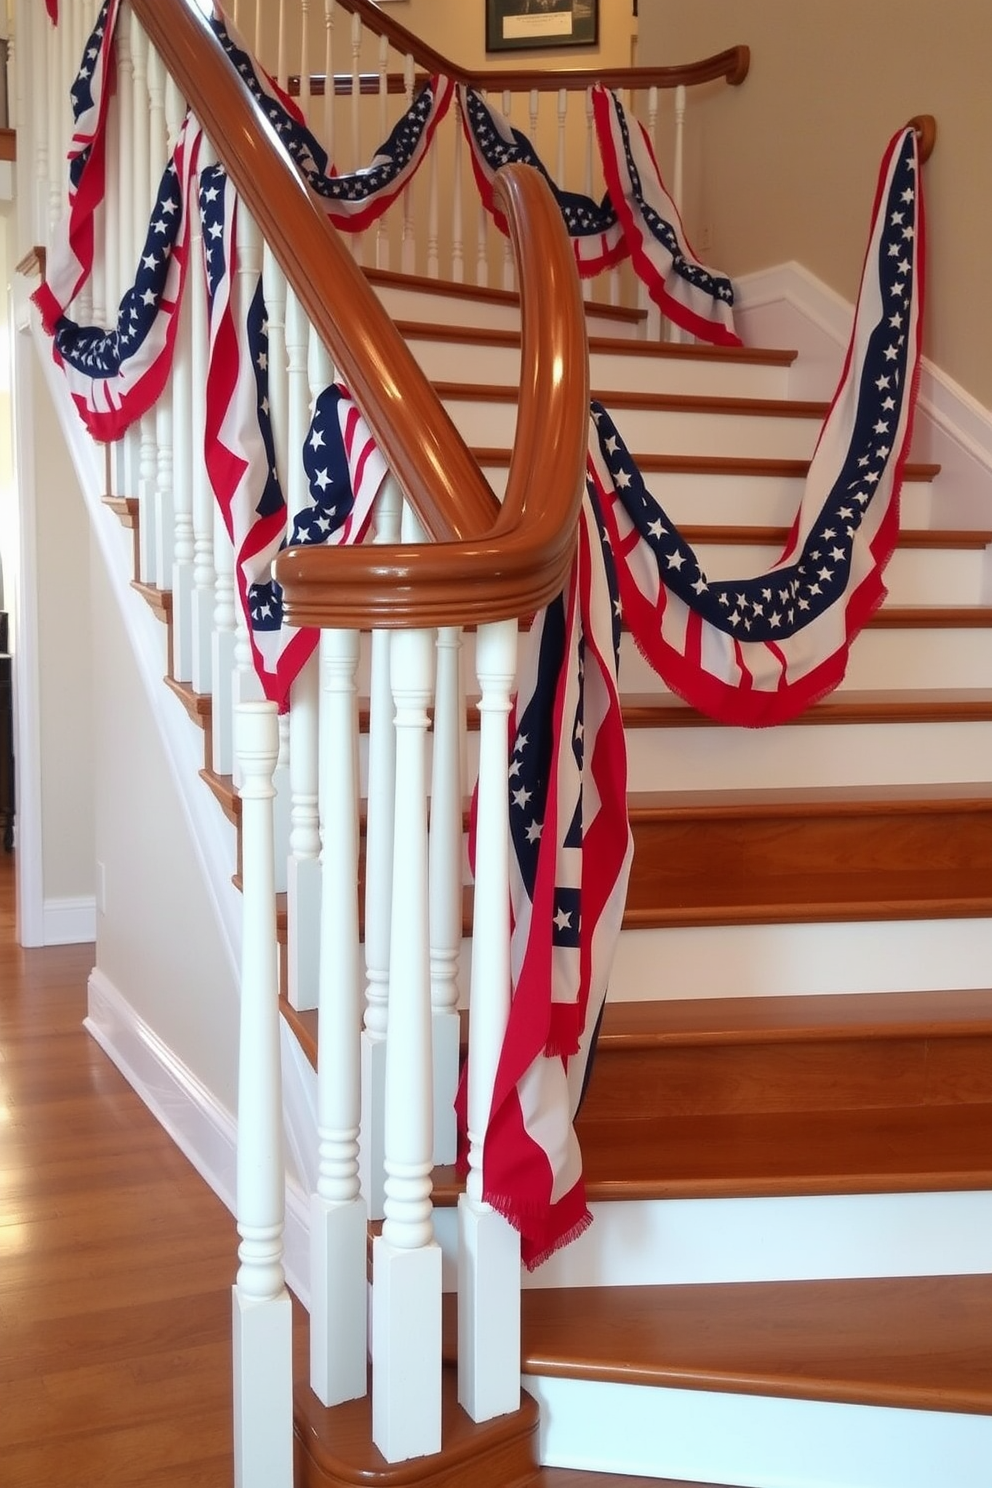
{"type": "Point", "coordinates": [880, 657]}
{"type": "Point", "coordinates": [690, 1242]}
{"type": "Point", "coordinates": [914, 576]}
{"type": "Point", "coordinates": [659, 431]}
{"type": "Point", "coordinates": [802, 959]}
{"type": "Point", "coordinates": [726, 500]}
{"type": "Point", "coordinates": [715, 758]}
{"type": "Point", "coordinates": [445, 361]}
{"type": "Point", "coordinates": [440, 309]}
{"type": "Point", "coordinates": [757, 1441]}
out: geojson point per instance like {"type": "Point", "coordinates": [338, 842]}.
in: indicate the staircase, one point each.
{"type": "Point", "coordinates": [786, 1132]}
{"type": "Point", "coordinates": [787, 1135]}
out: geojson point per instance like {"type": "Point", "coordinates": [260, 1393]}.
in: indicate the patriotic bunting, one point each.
{"type": "Point", "coordinates": [595, 231]}
{"type": "Point", "coordinates": [115, 376]}
{"type": "Point", "coordinates": [343, 466]}
{"type": "Point", "coordinates": [352, 202]}
{"type": "Point", "coordinates": [570, 860]}
{"type": "Point", "coordinates": [70, 257]}
{"type": "Point", "coordinates": [757, 651]}
{"type": "Point", "coordinates": [52, 6]}
{"type": "Point", "coordinates": [693, 296]}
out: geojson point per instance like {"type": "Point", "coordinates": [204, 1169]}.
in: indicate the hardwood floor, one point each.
{"type": "Point", "coordinates": [116, 1259]}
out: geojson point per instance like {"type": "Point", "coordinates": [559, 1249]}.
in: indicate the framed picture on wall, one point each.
{"type": "Point", "coordinates": [519, 25]}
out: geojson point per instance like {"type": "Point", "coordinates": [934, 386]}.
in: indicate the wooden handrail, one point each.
{"type": "Point", "coordinates": [485, 562]}
{"type": "Point", "coordinates": [425, 451]}
{"type": "Point", "coordinates": [523, 562]}
{"type": "Point", "coordinates": [732, 64]}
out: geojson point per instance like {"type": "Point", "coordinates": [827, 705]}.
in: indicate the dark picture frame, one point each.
{"type": "Point", "coordinates": [532, 25]}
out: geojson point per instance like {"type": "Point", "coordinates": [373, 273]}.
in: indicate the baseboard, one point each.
{"type": "Point", "coordinates": [69, 921]}
{"type": "Point", "coordinates": [203, 1129]}
{"type": "Point", "coordinates": [787, 306]}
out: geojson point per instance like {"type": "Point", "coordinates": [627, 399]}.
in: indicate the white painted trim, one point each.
{"type": "Point", "coordinates": [69, 921]}
{"type": "Point", "coordinates": [202, 1129]}
{"type": "Point", "coordinates": [30, 929]}
{"type": "Point", "coordinates": [756, 1441]}
{"type": "Point", "coordinates": [789, 306]}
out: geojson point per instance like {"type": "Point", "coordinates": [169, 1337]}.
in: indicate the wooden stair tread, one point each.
{"type": "Point", "coordinates": [896, 705]}
{"type": "Point", "coordinates": [730, 465]}
{"type": "Point", "coordinates": [805, 801]}
{"type": "Point", "coordinates": [392, 278]}
{"type": "Point", "coordinates": [919, 1342]}
{"type": "Point", "coordinates": [639, 350]}
{"type": "Point", "coordinates": [903, 1149]}
{"type": "Point", "coordinates": [739, 535]}
{"type": "Point", "coordinates": [780, 1020]}
{"type": "Point", "coordinates": [662, 402]}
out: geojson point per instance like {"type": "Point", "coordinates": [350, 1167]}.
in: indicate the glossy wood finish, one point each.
{"type": "Point", "coordinates": [847, 1052]}
{"type": "Point", "coordinates": [117, 1260]}
{"type": "Point", "coordinates": [921, 1343]}
{"type": "Point", "coordinates": [819, 854]}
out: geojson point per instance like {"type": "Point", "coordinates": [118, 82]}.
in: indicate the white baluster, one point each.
{"type": "Point", "coordinates": [282, 62]}
{"type": "Point", "coordinates": [305, 58]}
{"type": "Point", "coordinates": [653, 323]}
{"type": "Point", "coordinates": [303, 869]}
{"type": "Point", "coordinates": [406, 1265]}
{"type": "Point", "coordinates": [489, 1248]}
{"type": "Point", "coordinates": [382, 227]}
{"type": "Point", "coordinates": [245, 683]}
{"type": "Point", "coordinates": [13, 101]}
{"type": "Point", "coordinates": [676, 333]}
{"type": "Point", "coordinates": [329, 87]}
{"type": "Point", "coordinates": [379, 833]}
{"type": "Point", "coordinates": [357, 159]}
{"type": "Point", "coordinates": [45, 143]}
{"type": "Point", "coordinates": [433, 215]}
{"type": "Point", "coordinates": [509, 269]}
{"type": "Point", "coordinates": [203, 500]}
{"type": "Point", "coordinates": [446, 834]}
{"type": "Point", "coordinates": [481, 253]}
{"type": "Point", "coordinates": [457, 228]}
{"type": "Point", "coordinates": [263, 1319]}
{"type": "Point", "coordinates": [128, 247]}
{"type": "Point", "coordinates": [275, 291]}
{"type": "Point", "coordinates": [338, 1217]}
{"type": "Point", "coordinates": [223, 639]}
{"type": "Point", "coordinates": [50, 207]}
{"type": "Point", "coordinates": [167, 117]}
{"type": "Point", "coordinates": [409, 249]}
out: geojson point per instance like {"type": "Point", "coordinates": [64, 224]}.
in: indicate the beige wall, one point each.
{"type": "Point", "coordinates": [785, 167]}
{"type": "Point", "coordinates": [456, 29]}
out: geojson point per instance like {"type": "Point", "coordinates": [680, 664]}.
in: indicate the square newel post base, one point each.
{"type": "Point", "coordinates": [338, 1301]}
{"type": "Point", "coordinates": [488, 1312]}
{"type": "Point", "coordinates": [406, 1350]}
{"type": "Point", "coordinates": [263, 1391]}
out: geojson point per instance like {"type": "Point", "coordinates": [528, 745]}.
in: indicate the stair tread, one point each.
{"type": "Point", "coordinates": [426, 330]}
{"type": "Point", "coordinates": [449, 289]}
{"type": "Point", "coordinates": [903, 1149]}
{"type": "Point", "coordinates": [841, 1016]}
{"type": "Point", "coordinates": [497, 392]}
{"type": "Point", "coordinates": [907, 705]}
{"type": "Point", "coordinates": [731, 465]}
{"type": "Point", "coordinates": [917, 1342]}
{"type": "Point", "coordinates": [810, 800]}
{"type": "Point", "coordinates": [921, 1148]}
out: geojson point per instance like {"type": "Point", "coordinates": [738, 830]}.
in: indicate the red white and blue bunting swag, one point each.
{"type": "Point", "coordinates": [753, 651]}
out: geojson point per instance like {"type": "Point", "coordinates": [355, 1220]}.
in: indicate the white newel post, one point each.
{"type": "Point", "coordinates": [446, 836]}
{"type": "Point", "coordinates": [488, 1248]}
{"type": "Point", "coordinates": [379, 831]}
{"type": "Point", "coordinates": [263, 1320]}
{"type": "Point", "coordinates": [338, 1217]}
{"type": "Point", "coordinates": [406, 1264]}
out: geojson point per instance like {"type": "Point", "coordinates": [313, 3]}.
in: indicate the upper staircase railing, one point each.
{"type": "Point", "coordinates": [440, 553]}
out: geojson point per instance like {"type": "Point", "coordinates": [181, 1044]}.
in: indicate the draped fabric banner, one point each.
{"type": "Point", "coordinates": [693, 296]}
{"type": "Point", "coordinates": [343, 466]}
{"type": "Point", "coordinates": [751, 651]}
{"type": "Point", "coordinates": [352, 202]}
{"type": "Point", "coordinates": [115, 376]}
{"type": "Point", "coordinates": [570, 860]}
{"type": "Point", "coordinates": [70, 257]}
{"type": "Point", "coordinates": [594, 230]}
{"type": "Point", "coordinates": [759, 650]}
